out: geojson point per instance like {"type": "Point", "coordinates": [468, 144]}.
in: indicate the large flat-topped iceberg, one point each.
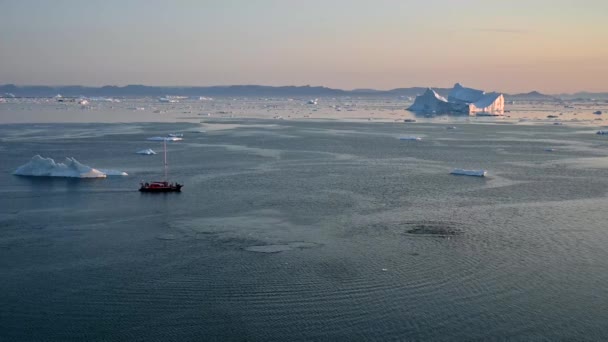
{"type": "Point", "coordinates": [460, 100]}
{"type": "Point", "coordinates": [47, 167]}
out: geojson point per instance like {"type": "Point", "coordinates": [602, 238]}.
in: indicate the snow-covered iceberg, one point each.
{"type": "Point", "coordinates": [165, 138]}
{"type": "Point", "coordinates": [147, 151]}
{"type": "Point", "coordinates": [47, 167]}
{"type": "Point", "coordinates": [463, 172]}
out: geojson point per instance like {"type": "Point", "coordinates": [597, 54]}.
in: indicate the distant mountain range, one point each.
{"type": "Point", "coordinates": [249, 90]}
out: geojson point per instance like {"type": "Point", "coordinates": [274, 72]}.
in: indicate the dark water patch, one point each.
{"type": "Point", "coordinates": [433, 228]}
{"type": "Point", "coordinates": [281, 247]}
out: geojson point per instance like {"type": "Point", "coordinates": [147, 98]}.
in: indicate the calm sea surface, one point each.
{"type": "Point", "coordinates": [307, 230]}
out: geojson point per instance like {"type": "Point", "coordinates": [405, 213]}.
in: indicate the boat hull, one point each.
{"type": "Point", "coordinates": [160, 187]}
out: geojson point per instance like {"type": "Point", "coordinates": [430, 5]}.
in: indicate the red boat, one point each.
{"type": "Point", "coordinates": [160, 187]}
{"type": "Point", "coordinates": [163, 186]}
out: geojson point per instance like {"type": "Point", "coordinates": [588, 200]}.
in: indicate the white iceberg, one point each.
{"type": "Point", "coordinates": [410, 138]}
{"type": "Point", "coordinates": [147, 152]}
{"type": "Point", "coordinates": [602, 132]}
{"type": "Point", "coordinates": [165, 139]}
{"type": "Point", "coordinates": [430, 102]}
{"type": "Point", "coordinates": [463, 172]}
{"type": "Point", "coordinates": [47, 167]}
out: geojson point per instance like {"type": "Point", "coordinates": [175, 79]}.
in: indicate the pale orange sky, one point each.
{"type": "Point", "coordinates": [511, 46]}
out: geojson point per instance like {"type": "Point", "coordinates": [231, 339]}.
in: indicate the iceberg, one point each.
{"type": "Point", "coordinates": [410, 138]}
{"type": "Point", "coordinates": [430, 102]}
{"type": "Point", "coordinates": [47, 167]}
{"type": "Point", "coordinates": [460, 100]}
{"type": "Point", "coordinates": [464, 95]}
{"type": "Point", "coordinates": [147, 152]}
{"type": "Point", "coordinates": [602, 132]}
{"type": "Point", "coordinates": [463, 172]}
{"type": "Point", "coordinates": [490, 103]}
{"type": "Point", "coordinates": [165, 139]}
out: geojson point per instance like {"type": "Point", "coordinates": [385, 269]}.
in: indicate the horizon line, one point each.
{"type": "Point", "coordinates": [278, 86]}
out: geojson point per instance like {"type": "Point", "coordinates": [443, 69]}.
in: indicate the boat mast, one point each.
{"type": "Point", "coordinates": [165, 150]}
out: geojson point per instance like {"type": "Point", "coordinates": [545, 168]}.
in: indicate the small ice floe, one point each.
{"type": "Point", "coordinates": [165, 139]}
{"type": "Point", "coordinates": [549, 150]}
{"type": "Point", "coordinates": [176, 135]}
{"type": "Point", "coordinates": [451, 127]}
{"type": "Point", "coordinates": [47, 167]}
{"type": "Point", "coordinates": [147, 152]}
{"type": "Point", "coordinates": [410, 138]}
{"type": "Point", "coordinates": [602, 132]}
{"type": "Point", "coordinates": [313, 102]}
{"type": "Point", "coordinates": [463, 172]}
{"type": "Point", "coordinates": [599, 112]}
{"type": "Point", "coordinates": [558, 123]}
{"type": "Point", "coordinates": [166, 100]}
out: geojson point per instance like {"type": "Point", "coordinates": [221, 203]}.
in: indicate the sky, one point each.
{"type": "Point", "coordinates": [552, 46]}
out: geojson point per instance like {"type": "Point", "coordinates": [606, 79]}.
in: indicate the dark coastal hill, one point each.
{"type": "Point", "coordinates": [245, 90]}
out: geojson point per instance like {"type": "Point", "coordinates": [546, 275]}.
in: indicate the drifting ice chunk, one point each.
{"type": "Point", "coordinates": [602, 132]}
{"type": "Point", "coordinates": [410, 138]}
{"type": "Point", "coordinates": [463, 172]}
{"type": "Point", "coordinates": [113, 172]}
{"type": "Point", "coordinates": [47, 167]}
{"type": "Point", "coordinates": [165, 138]}
{"type": "Point", "coordinates": [146, 152]}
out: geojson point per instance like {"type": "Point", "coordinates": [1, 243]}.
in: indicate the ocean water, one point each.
{"type": "Point", "coordinates": [293, 230]}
